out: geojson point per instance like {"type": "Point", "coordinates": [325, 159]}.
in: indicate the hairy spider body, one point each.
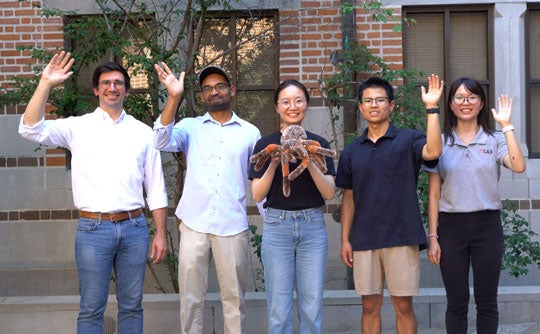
{"type": "Point", "coordinates": [294, 146]}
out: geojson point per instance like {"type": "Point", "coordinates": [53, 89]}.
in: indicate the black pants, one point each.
{"type": "Point", "coordinates": [471, 238]}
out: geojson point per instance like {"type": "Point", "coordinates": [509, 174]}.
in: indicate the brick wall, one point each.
{"type": "Point", "coordinates": [309, 35]}
{"type": "Point", "coordinates": [21, 25]}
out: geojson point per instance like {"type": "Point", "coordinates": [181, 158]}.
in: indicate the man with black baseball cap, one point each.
{"type": "Point", "coordinates": [212, 70]}
{"type": "Point", "coordinates": [212, 209]}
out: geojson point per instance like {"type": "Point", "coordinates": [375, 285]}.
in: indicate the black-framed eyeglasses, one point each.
{"type": "Point", "coordinates": [220, 87]}
{"type": "Point", "coordinates": [473, 99]}
{"type": "Point", "coordinates": [378, 100]}
{"type": "Point", "coordinates": [109, 83]}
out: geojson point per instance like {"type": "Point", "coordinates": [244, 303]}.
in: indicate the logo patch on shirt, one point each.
{"type": "Point", "coordinates": [485, 151]}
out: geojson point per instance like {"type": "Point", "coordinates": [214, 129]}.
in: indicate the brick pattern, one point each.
{"type": "Point", "coordinates": [12, 110]}
{"type": "Point", "coordinates": [9, 162]}
{"type": "Point", "coordinates": [308, 37]}
{"type": "Point", "coordinates": [22, 25]}
{"type": "Point", "coordinates": [65, 214]}
{"type": "Point", "coordinates": [32, 215]}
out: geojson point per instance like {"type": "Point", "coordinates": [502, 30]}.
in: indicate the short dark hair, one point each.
{"type": "Point", "coordinates": [375, 82]}
{"type": "Point", "coordinates": [110, 67]}
{"type": "Point", "coordinates": [450, 120]}
{"type": "Point", "coordinates": [287, 83]}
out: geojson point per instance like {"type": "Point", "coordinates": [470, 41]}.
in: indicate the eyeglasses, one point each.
{"type": "Point", "coordinates": [378, 100]}
{"type": "Point", "coordinates": [220, 87]}
{"type": "Point", "coordinates": [297, 102]}
{"type": "Point", "coordinates": [473, 99]}
{"type": "Point", "coordinates": [109, 83]}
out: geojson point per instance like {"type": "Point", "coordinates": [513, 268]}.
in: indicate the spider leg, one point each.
{"type": "Point", "coordinates": [303, 154]}
{"type": "Point", "coordinates": [288, 155]}
{"type": "Point", "coordinates": [319, 161]}
{"type": "Point", "coordinates": [315, 147]}
{"type": "Point", "coordinates": [285, 172]}
{"type": "Point", "coordinates": [260, 158]}
{"type": "Point", "coordinates": [302, 167]}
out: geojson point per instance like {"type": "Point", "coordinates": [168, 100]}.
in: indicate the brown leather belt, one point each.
{"type": "Point", "coordinates": [117, 216]}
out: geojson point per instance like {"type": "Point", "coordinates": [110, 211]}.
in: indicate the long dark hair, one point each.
{"type": "Point", "coordinates": [287, 83]}
{"type": "Point", "coordinates": [450, 120]}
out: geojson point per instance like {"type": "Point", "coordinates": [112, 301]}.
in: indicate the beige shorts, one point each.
{"type": "Point", "coordinates": [399, 267]}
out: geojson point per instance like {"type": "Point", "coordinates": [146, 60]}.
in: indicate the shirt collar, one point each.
{"type": "Point", "coordinates": [234, 119]}
{"type": "Point", "coordinates": [391, 133]}
{"type": "Point", "coordinates": [105, 115]}
{"type": "Point", "coordinates": [480, 138]}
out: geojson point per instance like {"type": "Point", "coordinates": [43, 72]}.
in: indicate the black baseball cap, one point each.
{"type": "Point", "coordinates": [212, 70]}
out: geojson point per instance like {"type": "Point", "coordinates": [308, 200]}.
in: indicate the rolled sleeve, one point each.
{"type": "Point", "coordinates": [154, 181]}
{"type": "Point", "coordinates": [162, 136]}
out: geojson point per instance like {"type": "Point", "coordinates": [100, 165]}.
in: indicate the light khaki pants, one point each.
{"type": "Point", "coordinates": [231, 256]}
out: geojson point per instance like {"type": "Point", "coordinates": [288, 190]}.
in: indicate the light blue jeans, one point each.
{"type": "Point", "coordinates": [101, 246]}
{"type": "Point", "coordinates": [294, 252]}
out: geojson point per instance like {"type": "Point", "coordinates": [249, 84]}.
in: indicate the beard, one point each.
{"type": "Point", "coordinates": [218, 105]}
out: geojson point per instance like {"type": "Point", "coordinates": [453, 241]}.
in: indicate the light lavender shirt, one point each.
{"type": "Point", "coordinates": [111, 160]}
{"type": "Point", "coordinates": [214, 196]}
{"type": "Point", "coordinates": [470, 173]}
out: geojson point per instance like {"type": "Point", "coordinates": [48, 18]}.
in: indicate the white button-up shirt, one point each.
{"type": "Point", "coordinates": [111, 160]}
{"type": "Point", "coordinates": [214, 196]}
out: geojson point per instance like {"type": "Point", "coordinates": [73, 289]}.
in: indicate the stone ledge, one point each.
{"type": "Point", "coordinates": [57, 314]}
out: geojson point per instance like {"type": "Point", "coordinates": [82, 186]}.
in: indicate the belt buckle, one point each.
{"type": "Point", "coordinates": [117, 216]}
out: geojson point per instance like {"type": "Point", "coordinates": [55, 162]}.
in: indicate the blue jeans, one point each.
{"type": "Point", "coordinates": [101, 246]}
{"type": "Point", "coordinates": [294, 252]}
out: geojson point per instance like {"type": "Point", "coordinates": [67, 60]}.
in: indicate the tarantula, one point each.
{"type": "Point", "coordinates": [294, 146]}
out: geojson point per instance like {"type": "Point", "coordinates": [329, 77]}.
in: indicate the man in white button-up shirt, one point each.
{"type": "Point", "coordinates": [212, 209]}
{"type": "Point", "coordinates": [113, 157]}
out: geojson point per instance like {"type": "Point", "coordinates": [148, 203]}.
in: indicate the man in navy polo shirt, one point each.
{"type": "Point", "coordinates": [381, 225]}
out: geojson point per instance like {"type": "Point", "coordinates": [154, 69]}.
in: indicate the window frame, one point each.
{"type": "Point", "coordinates": [233, 16]}
{"type": "Point", "coordinates": [447, 10]}
{"type": "Point", "coordinates": [530, 83]}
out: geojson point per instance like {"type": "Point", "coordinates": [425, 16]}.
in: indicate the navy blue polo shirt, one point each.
{"type": "Point", "coordinates": [383, 177]}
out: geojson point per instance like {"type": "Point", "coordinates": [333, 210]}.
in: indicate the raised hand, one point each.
{"type": "Point", "coordinates": [504, 114]}
{"type": "Point", "coordinates": [175, 87]}
{"type": "Point", "coordinates": [435, 89]}
{"type": "Point", "coordinates": [58, 69]}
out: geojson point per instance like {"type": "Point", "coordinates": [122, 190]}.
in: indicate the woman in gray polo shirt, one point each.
{"type": "Point", "coordinates": [464, 204]}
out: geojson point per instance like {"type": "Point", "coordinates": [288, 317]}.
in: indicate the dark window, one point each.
{"type": "Point", "coordinates": [246, 46]}
{"type": "Point", "coordinates": [452, 42]}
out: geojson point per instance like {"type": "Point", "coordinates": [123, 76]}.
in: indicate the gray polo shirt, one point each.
{"type": "Point", "coordinates": [470, 173]}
